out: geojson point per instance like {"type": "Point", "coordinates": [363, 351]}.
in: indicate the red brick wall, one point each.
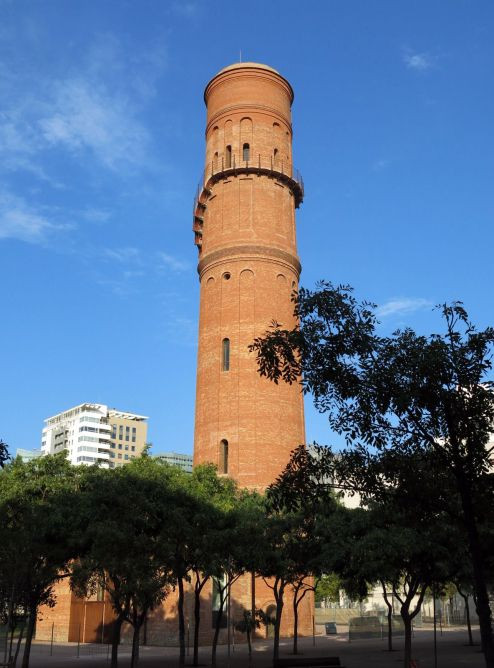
{"type": "Point", "coordinates": [248, 237]}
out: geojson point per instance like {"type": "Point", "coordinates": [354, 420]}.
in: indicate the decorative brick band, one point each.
{"type": "Point", "coordinates": [247, 251]}
{"type": "Point", "coordinates": [246, 108]}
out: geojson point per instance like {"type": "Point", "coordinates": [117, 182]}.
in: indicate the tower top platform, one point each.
{"type": "Point", "coordinates": [237, 66]}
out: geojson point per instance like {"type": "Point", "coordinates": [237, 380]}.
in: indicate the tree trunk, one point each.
{"type": "Point", "coordinates": [18, 647]}
{"type": "Point", "coordinates": [197, 621]}
{"type": "Point", "coordinates": [295, 625]}
{"type": "Point", "coordinates": [407, 621]}
{"type": "Point", "coordinates": [483, 607]}
{"type": "Point", "coordinates": [33, 610]}
{"type": "Point", "coordinates": [467, 610]}
{"type": "Point", "coordinates": [469, 624]}
{"type": "Point", "coordinates": [115, 640]}
{"type": "Point", "coordinates": [390, 617]}
{"type": "Point", "coordinates": [219, 618]}
{"type": "Point", "coordinates": [181, 621]}
{"type": "Point", "coordinates": [138, 619]}
{"type": "Point", "coordinates": [135, 646]}
{"type": "Point", "coordinates": [11, 642]}
{"type": "Point", "coordinates": [278, 594]}
{"type": "Point", "coordinates": [414, 589]}
{"type": "Point", "coordinates": [390, 629]}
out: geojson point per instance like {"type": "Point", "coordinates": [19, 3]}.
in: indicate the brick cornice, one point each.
{"type": "Point", "coordinates": [245, 252]}
{"type": "Point", "coordinates": [245, 108]}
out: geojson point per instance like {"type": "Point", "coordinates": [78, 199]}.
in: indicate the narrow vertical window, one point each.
{"type": "Point", "coordinates": [246, 152]}
{"type": "Point", "coordinates": [225, 355]}
{"type": "Point", "coordinates": [224, 456]}
{"type": "Point", "coordinates": [228, 156]}
{"type": "Point", "coordinates": [275, 153]}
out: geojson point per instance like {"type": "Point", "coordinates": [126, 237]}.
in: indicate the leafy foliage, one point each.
{"type": "Point", "coordinates": [4, 453]}
{"type": "Point", "coordinates": [404, 394]}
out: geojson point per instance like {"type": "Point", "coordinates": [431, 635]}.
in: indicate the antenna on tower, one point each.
{"type": "Point", "coordinates": [240, 56]}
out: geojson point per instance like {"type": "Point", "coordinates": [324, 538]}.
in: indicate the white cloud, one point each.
{"type": "Point", "coordinates": [420, 62]}
{"type": "Point", "coordinates": [173, 263]}
{"type": "Point", "coordinates": [96, 215]}
{"type": "Point", "coordinates": [94, 112]}
{"type": "Point", "coordinates": [83, 117]}
{"type": "Point", "coordinates": [127, 254]}
{"type": "Point", "coordinates": [402, 305]}
{"type": "Point", "coordinates": [19, 220]}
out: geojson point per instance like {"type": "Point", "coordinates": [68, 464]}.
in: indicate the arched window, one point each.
{"type": "Point", "coordinates": [228, 157]}
{"type": "Point", "coordinates": [275, 153]}
{"type": "Point", "coordinates": [246, 153]}
{"type": "Point", "coordinates": [225, 355]}
{"type": "Point", "coordinates": [223, 456]}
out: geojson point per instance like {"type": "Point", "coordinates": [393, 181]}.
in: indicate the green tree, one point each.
{"type": "Point", "coordinates": [129, 514]}
{"type": "Point", "coordinates": [248, 624]}
{"type": "Point", "coordinates": [238, 550]}
{"type": "Point", "coordinates": [328, 588]}
{"type": "Point", "coordinates": [302, 553]}
{"type": "Point", "coordinates": [215, 497]}
{"type": "Point", "coordinates": [4, 453]}
{"type": "Point", "coordinates": [404, 392]}
{"type": "Point", "coordinates": [39, 533]}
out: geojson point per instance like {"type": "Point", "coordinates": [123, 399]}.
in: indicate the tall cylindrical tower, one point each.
{"type": "Point", "coordinates": [244, 224]}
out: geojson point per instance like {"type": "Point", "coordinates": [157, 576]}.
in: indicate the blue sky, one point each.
{"type": "Point", "coordinates": [101, 147]}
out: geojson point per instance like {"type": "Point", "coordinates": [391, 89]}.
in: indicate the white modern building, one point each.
{"type": "Point", "coordinates": [27, 455]}
{"type": "Point", "coordinates": [95, 434]}
{"type": "Point", "coordinates": [179, 459]}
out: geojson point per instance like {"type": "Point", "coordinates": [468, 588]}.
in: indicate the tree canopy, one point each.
{"type": "Point", "coordinates": [404, 393]}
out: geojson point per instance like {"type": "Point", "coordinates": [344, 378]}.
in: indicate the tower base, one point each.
{"type": "Point", "coordinates": [75, 619]}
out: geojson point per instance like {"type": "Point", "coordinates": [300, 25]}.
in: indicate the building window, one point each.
{"type": "Point", "coordinates": [246, 152]}
{"type": "Point", "coordinates": [112, 445]}
{"type": "Point", "coordinates": [126, 456]}
{"type": "Point", "coordinates": [119, 446]}
{"type": "Point", "coordinates": [126, 447]}
{"type": "Point", "coordinates": [120, 432]}
{"type": "Point", "coordinates": [133, 448]}
{"type": "Point", "coordinates": [119, 456]}
{"type": "Point", "coordinates": [224, 456]}
{"type": "Point", "coordinates": [225, 355]}
{"type": "Point", "coordinates": [228, 157]}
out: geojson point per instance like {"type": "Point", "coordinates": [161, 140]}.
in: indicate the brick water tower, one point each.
{"type": "Point", "coordinates": [244, 224]}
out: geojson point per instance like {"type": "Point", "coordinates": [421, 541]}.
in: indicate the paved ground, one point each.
{"type": "Point", "coordinates": [452, 653]}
